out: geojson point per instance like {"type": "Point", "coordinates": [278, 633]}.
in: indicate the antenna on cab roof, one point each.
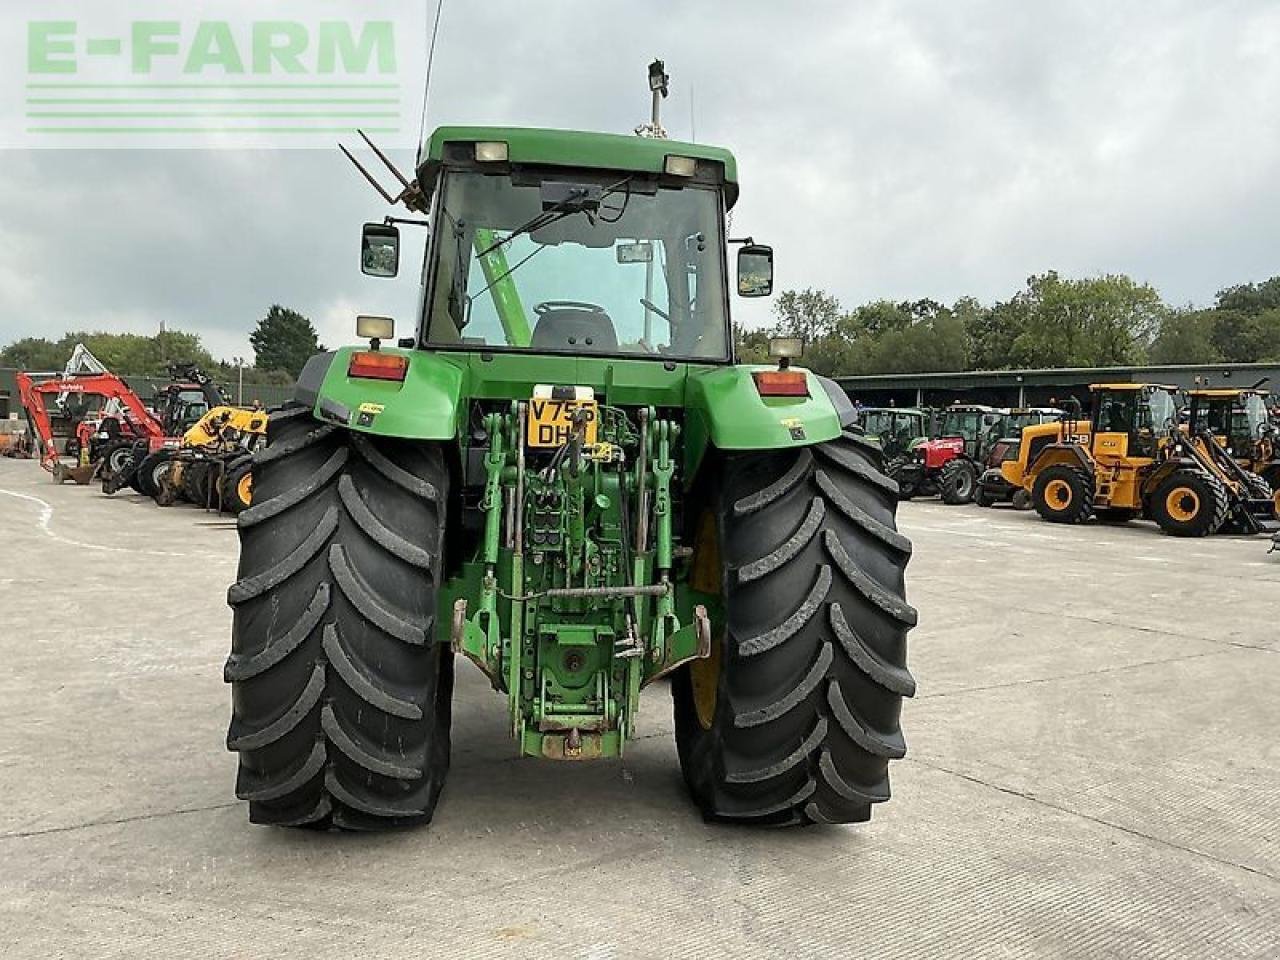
{"type": "Point", "coordinates": [411, 196]}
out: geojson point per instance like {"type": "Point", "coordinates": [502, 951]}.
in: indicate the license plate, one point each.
{"type": "Point", "coordinates": [552, 412]}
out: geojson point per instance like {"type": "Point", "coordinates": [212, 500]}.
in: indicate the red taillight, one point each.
{"type": "Point", "coordinates": [781, 383]}
{"type": "Point", "coordinates": [372, 365]}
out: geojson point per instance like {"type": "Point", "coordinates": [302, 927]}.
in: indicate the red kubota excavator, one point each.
{"type": "Point", "coordinates": [103, 413]}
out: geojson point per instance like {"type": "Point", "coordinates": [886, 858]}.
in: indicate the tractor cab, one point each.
{"type": "Point", "coordinates": [1018, 418]}
{"type": "Point", "coordinates": [620, 254]}
{"type": "Point", "coordinates": [973, 425]}
{"type": "Point", "coordinates": [898, 429]}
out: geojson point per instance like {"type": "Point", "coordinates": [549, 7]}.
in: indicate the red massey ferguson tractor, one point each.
{"type": "Point", "coordinates": [949, 464]}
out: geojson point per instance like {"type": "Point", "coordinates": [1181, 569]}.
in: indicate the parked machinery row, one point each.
{"type": "Point", "coordinates": [947, 453]}
{"type": "Point", "coordinates": [1134, 457]}
{"type": "Point", "coordinates": [187, 444]}
{"type": "Point", "coordinates": [1206, 464]}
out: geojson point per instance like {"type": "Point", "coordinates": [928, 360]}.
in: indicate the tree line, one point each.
{"type": "Point", "coordinates": [1053, 321]}
{"type": "Point", "coordinates": [282, 342]}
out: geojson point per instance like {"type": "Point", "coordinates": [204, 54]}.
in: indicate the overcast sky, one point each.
{"type": "Point", "coordinates": [886, 149]}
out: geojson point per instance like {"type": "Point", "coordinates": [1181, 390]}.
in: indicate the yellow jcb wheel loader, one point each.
{"type": "Point", "coordinates": [1237, 419]}
{"type": "Point", "coordinates": [1130, 460]}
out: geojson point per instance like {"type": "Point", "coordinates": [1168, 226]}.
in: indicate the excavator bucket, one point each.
{"type": "Point", "coordinates": [80, 473]}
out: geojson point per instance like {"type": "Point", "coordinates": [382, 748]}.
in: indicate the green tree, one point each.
{"type": "Point", "coordinates": [990, 332]}
{"type": "Point", "coordinates": [127, 354]}
{"type": "Point", "coordinates": [284, 340]}
{"type": "Point", "coordinates": [806, 313]}
{"type": "Point", "coordinates": [33, 353]}
{"type": "Point", "coordinates": [1186, 336]}
{"type": "Point", "coordinates": [1251, 298]}
{"type": "Point", "coordinates": [931, 339]}
{"type": "Point", "coordinates": [1231, 335]}
{"type": "Point", "coordinates": [752, 345]}
{"type": "Point", "coordinates": [1093, 322]}
{"type": "Point", "coordinates": [1265, 335]}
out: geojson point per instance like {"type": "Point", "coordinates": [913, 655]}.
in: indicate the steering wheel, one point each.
{"type": "Point", "coordinates": [546, 306]}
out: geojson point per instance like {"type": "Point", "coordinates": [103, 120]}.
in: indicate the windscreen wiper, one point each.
{"type": "Point", "coordinates": [575, 198]}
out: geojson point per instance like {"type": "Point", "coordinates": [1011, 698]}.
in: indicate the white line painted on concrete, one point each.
{"type": "Point", "coordinates": [46, 517]}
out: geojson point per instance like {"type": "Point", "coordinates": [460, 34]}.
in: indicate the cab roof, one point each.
{"type": "Point", "coordinates": [1095, 387]}
{"type": "Point", "coordinates": [1226, 392]}
{"type": "Point", "coordinates": [578, 148]}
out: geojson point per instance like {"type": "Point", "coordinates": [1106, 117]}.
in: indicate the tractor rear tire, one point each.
{"type": "Point", "coordinates": [794, 717]}
{"type": "Point", "coordinates": [958, 482]}
{"type": "Point", "coordinates": [1064, 494]}
{"type": "Point", "coordinates": [340, 692]}
{"type": "Point", "coordinates": [893, 470]}
{"type": "Point", "coordinates": [1189, 503]}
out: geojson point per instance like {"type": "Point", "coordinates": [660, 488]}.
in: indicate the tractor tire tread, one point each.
{"type": "Point", "coordinates": [806, 714]}
{"type": "Point", "coordinates": [340, 704]}
{"type": "Point", "coordinates": [949, 486]}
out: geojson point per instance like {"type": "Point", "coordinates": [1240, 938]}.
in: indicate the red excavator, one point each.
{"type": "Point", "coordinates": [100, 412]}
{"type": "Point", "coordinates": [102, 421]}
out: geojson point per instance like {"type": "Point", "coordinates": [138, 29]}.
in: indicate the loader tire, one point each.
{"type": "Point", "coordinates": [1189, 503]}
{"type": "Point", "coordinates": [958, 482]}
{"type": "Point", "coordinates": [237, 484]}
{"type": "Point", "coordinates": [340, 692]}
{"type": "Point", "coordinates": [116, 458]}
{"type": "Point", "coordinates": [151, 471]}
{"type": "Point", "coordinates": [1258, 488]}
{"type": "Point", "coordinates": [1064, 494]}
{"type": "Point", "coordinates": [1271, 477]}
{"type": "Point", "coordinates": [197, 477]}
{"type": "Point", "coordinates": [793, 719]}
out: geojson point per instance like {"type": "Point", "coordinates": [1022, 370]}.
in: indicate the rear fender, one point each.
{"type": "Point", "coordinates": [427, 405]}
{"type": "Point", "coordinates": [725, 410]}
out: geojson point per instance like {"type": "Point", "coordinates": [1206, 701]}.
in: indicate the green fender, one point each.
{"type": "Point", "coordinates": [726, 411]}
{"type": "Point", "coordinates": [426, 406]}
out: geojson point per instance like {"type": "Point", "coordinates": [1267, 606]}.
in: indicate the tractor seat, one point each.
{"type": "Point", "coordinates": [564, 327]}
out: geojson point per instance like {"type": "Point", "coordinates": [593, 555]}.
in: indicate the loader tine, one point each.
{"type": "Point", "coordinates": [368, 176]}
{"type": "Point", "coordinates": [383, 157]}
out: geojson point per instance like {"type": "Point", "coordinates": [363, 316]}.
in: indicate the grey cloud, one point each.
{"type": "Point", "coordinates": [887, 149]}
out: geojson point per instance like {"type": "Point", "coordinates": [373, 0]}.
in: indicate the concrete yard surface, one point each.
{"type": "Point", "coordinates": [1093, 771]}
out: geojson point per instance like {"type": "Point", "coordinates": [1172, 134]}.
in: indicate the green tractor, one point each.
{"type": "Point", "coordinates": [579, 496]}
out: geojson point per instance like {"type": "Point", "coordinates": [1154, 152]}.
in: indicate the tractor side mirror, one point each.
{"type": "Point", "coordinates": [755, 271]}
{"type": "Point", "coordinates": [380, 250]}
